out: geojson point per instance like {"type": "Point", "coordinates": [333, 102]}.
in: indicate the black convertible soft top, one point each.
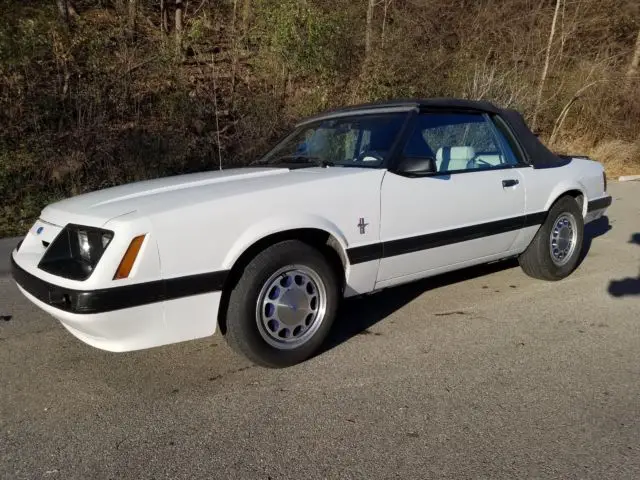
{"type": "Point", "coordinates": [535, 152]}
{"type": "Point", "coordinates": [538, 155]}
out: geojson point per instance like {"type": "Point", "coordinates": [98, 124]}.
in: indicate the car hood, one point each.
{"type": "Point", "coordinates": [164, 194]}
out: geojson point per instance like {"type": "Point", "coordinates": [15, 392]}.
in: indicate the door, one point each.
{"type": "Point", "coordinates": [473, 206]}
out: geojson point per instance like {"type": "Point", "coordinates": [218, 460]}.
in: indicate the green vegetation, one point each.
{"type": "Point", "coordinates": [95, 93]}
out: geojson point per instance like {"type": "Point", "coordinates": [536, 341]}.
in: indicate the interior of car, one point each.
{"type": "Point", "coordinates": [465, 158]}
{"type": "Point", "coordinates": [457, 142]}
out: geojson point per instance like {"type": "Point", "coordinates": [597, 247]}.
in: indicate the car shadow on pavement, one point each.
{"type": "Point", "coordinates": [357, 315]}
{"type": "Point", "coordinates": [592, 230]}
{"type": "Point", "coordinates": [626, 286]}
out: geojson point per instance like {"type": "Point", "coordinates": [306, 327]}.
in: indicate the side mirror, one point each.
{"type": "Point", "coordinates": [418, 166]}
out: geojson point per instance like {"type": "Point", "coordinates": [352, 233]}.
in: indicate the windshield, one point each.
{"type": "Point", "coordinates": [359, 141]}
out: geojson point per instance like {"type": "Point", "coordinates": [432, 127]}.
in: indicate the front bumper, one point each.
{"type": "Point", "coordinates": [116, 298]}
{"type": "Point", "coordinates": [130, 317]}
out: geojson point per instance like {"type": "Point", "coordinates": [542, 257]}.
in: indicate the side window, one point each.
{"type": "Point", "coordinates": [458, 142]}
{"type": "Point", "coordinates": [507, 143]}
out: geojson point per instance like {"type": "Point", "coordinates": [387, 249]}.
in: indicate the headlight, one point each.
{"type": "Point", "coordinates": [92, 243]}
{"type": "Point", "coordinates": [83, 242]}
{"type": "Point", "coordinates": [75, 252]}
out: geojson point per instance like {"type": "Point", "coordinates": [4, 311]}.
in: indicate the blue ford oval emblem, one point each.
{"type": "Point", "coordinates": [39, 230]}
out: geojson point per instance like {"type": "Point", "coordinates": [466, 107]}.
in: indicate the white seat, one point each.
{"type": "Point", "coordinates": [454, 158]}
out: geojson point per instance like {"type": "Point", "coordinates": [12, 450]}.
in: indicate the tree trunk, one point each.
{"type": "Point", "coordinates": [565, 111]}
{"type": "Point", "coordinates": [246, 10]}
{"type": "Point", "coordinates": [131, 23]}
{"type": "Point", "coordinates": [367, 37]}
{"type": "Point", "coordinates": [387, 4]}
{"type": "Point", "coordinates": [63, 10]}
{"type": "Point", "coordinates": [66, 8]}
{"type": "Point", "coordinates": [178, 22]}
{"type": "Point", "coordinates": [635, 60]}
{"type": "Point", "coordinates": [234, 63]}
{"type": "Point", "coordinates": [545, 70]}
{"type": "Point", "coordinates": [164, 17]}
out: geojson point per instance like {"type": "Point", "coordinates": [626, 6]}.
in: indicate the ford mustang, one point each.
{"type": "Point", "coordinates": [351, 201]}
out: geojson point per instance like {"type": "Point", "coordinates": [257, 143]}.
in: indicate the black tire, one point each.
{"type": "Point", "coordinates": [242, 331]}
{"type": "Point", "coordinates": [536, 261]}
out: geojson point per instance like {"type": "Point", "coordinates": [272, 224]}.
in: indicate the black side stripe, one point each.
{"type": "Point", "coordinates": [116, 298]}
{"type": "Point", "coordinates": [376, 251]}
{"type": "Point", "coordinates": [533, 219]}
{"type": "Point", "coordinates": [366, 253]}
{"type": "Point", "coordinates": [598, 204]}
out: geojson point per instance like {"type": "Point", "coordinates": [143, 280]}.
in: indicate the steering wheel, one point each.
{"type": "Point", "coordinates": [370, 156]}
{"type": "Point", "coordinates": [477, 161]}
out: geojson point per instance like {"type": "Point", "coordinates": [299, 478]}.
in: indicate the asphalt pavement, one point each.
{"type": "Point", "coordinates": [485, 373]}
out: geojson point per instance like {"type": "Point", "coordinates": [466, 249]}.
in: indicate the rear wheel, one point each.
{"type": "Point", "coordinates": [283, 305]}
{"type": "Point", "coordinates": [555, 250]}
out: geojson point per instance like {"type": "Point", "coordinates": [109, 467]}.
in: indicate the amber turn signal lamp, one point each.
{"type": "Point", "coordinates": [126, 264]}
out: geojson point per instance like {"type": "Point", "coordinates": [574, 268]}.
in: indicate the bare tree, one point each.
{"type": "Point", "coordinates": [387, 4]}
{"type": "Point", "coordinates": [545, 69]}
{"type": "Point", "coordinates": [164, 17]}
{"type": "Point", "coordinates": [178, 22]}
{"type": "Point", "coordinates": [368, 33]}
{"type": "Point", "coordinates": [246, 9]}
{"type": "Point", "coordinates": [131, 27]}
{"type": "Point", "coordinates": [565, 111]}
{"type": "Point", "coordinates": [635, 59]}
{"type": "Point", "coordinates": [234, 63]}
{"type": "Point", "coordinates": [66, 10]}
{"type": "Point", "coordinates": [63, 10]}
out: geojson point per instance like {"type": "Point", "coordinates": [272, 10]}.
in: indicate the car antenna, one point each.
{"type": "Point", "coordinates": [215, 107]}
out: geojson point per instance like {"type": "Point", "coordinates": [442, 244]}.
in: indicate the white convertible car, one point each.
{"type": "Point", "coordinates": [352, 201]}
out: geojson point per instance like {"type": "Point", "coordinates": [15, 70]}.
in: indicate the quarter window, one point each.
{"type": "Point", "coordinates": [459, 142]}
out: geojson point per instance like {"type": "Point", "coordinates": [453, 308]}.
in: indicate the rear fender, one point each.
{"type": "Point", "coordinates": [562, 189]}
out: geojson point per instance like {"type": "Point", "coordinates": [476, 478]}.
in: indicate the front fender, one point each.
{"type": "Point", "coordinates": [279, 224]}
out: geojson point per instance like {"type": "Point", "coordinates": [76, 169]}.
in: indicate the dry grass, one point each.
{"type": "Point", "coordinates": [619, 157]}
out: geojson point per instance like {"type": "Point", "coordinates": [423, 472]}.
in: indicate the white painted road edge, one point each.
{"type": "Point", "coordinates": [628, 178]}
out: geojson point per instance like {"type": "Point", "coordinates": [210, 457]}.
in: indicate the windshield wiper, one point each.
{"type": "Point", "coordinates": [304, 159]}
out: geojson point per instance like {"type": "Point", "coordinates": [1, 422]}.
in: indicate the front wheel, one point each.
{"type": "Point", "coordinates": [281, 309]}
{"type": "Point", "coordinates": [555, 250]}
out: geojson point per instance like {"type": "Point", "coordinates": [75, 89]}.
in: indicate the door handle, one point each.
{"type": "Point", "coordinates": [512, 182]}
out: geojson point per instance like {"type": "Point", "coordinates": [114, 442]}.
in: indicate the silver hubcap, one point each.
{"type": "Point", "coordinates": [563, 239]}
{"type": "Point", "coordinates": [291, 307]}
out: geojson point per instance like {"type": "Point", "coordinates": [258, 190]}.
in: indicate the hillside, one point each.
{"type": "Point", "coordinates": [98, 93]}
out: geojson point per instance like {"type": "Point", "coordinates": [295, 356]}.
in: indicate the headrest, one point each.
{"type": "Point", "coordinates": [456, 153]}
